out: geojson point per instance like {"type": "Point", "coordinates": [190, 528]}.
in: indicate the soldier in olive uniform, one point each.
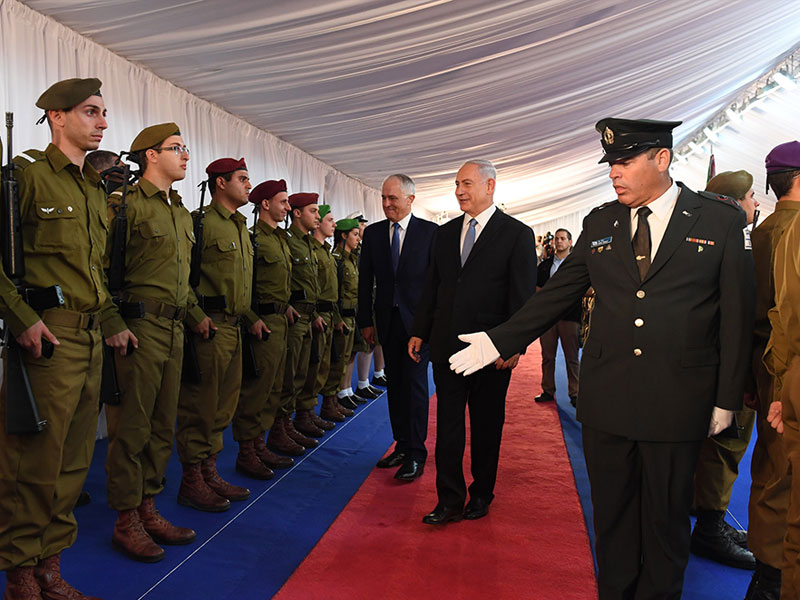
{"type": "Point", "coordinates": [306, 420]}
{"type": "Point", "coordinates": [347, 238]}
{"type": "Point", "coordinates": [205, 408]}
{"type": "Point", "coordinates": [260, 396]}
{"type": "Point", "coordinates": [154, 301]}
{"type": "Point", "coordinates": [774, 500]}
{"type": "Point", "coordinates": [718, 464]}
{"type": "Point", "coordinates": [303, 299]}
{"type": "Point", "coordinates": [64, 227]}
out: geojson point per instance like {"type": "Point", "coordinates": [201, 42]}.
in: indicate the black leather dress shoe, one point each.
{"type": "Point", "coordinates": [347, 402]}
{"type": "Point", "coordinates": [410, 471]}
{"type": "Point", "coordinates": [381, 381]}
{"type": "Point", "coordinates": [476, 508]}
{"type": "Point", "coordinates": [711, 540]}
{"type": "Point", "coordinates": [544, 397]}
{"type": "Point", "coordinates": [444, 514]}
{"type": "Point", "coordinates": [357, 399]}
{"type": "Point", "coordinates": [367, 393]}
{"type": "Point", "coordinates": [395, 459]}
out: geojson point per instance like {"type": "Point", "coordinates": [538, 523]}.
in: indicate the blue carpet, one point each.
{"type": "Point", "coordinates": [705, 579]}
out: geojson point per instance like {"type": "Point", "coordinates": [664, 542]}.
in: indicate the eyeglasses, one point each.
{"type": "Point", "coordinates": [178, 150]}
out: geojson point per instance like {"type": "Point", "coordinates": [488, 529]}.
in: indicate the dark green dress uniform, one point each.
{"type": "Point", "coordinates": [205, 409]}
{"type": "Point", "coordinates": [259, 397]}
{"type": "Point", "coordinates": [304, 300]}
{"type": "Point", "coordinates": [348, 302]}
{"type": "Point", "coordinates": [64, 229]}
{"type": "Point", "coordinates": [328, 309]}
{"type": "Point", "coordinates": [157, 257]}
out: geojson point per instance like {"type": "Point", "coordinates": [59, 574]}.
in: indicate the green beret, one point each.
{"type": "Point", "coordinates": [324, 209]}
{"type": "Point", "coordinates": [68, 93]}
{"type": "Point", "coordinates": [735, 184]}
{"type": "Point", "coordinates": [346, 224]}
{"type": "Point", "coordinates": [152, 136]}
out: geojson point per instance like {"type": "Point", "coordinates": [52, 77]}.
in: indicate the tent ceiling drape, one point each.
{"type": "Point", "coordinates": [418, 86]}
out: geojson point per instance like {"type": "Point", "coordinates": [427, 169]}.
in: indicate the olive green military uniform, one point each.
{"type": "Point", "coordinates": [328, 309]}
{"type": "Point", "coordinates": [259, 397]}
{"type": "Point", "coordinates": [157, 257]}
{"type": "Point", "coordinates": [304, 300]}
{"type": "Point", "coordinates": [770, 469]}
{"type": "Point", "coordinates": [64, 228]}
{"type": "Point", "coordinates": [343, 341]}
{"type": "Point", "coordinates": [205, 409]}
{"type": "Point", "coordinates": [359, 343]}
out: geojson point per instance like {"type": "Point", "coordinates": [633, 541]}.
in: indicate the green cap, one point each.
{"type": "Point", "coordinates": [68, 93]}
{"type": "Point", "coordinates": [346, 224]}
{"type": "Point", "coordinates": [324, 209]}
{"type": "Point", "coordinates": [735, 184]}
{"type": "Point", "coordinates": [152, 136]}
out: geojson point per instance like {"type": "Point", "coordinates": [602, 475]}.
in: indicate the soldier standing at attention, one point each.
{"type": "Point", "coordinates": [154, 301]}
{"type": "Point", "coordinates": [303, 299]}
{"type": "Point", "coordinates": [64, 228]}
{"type": "Point", "coordinates": [307, 421]}
{"type": "Point", "coordinates": [347, 239]}
{"type": "Point", "coordinates": [260, 396]}
{"type": "Point", "coordinates": [205, 409]}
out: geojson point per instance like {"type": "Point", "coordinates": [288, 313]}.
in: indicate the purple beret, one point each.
{"type": "Point", "coordinates": [783, 157]}
{"type": "Point", "coordinates": [266, 190]}
{"type": "Point", "coordinates": [222, 166]}
{"type": "Point", "coordinates": [303, 199]}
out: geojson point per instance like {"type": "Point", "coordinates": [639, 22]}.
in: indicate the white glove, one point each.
{"type": "Point", "coordinates": [478, 354]}
{"type": "Point", "coordinates": [721, 418]}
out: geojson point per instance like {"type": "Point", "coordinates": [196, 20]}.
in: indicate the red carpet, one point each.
{"type": "Point", "coordinates": [532, 545]}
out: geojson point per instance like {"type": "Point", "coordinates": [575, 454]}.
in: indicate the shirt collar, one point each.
{"type": "Point", "coordinates": [402, 222]}
{"type": "Point", "coordinates": [59, 161]}
{"type": "Point", "coordinates": [150, 190]}
{"type": "Point", "coordinates": [662, 206]}
{"type": "Point", "coordinates": [482, 218]}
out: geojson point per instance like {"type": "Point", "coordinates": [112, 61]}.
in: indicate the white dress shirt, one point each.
{"type": "Point", "coordinates": [481, 218]}
{"type": "Point", "coordinates": [401, 232]}
{"type": "Point", "coordinates": [662, 208]}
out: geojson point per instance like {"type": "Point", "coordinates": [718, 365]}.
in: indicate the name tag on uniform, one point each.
{"type": "Point", "coordinates": [603, 242]}
{"type": "Point", "coordinates": [748, 244]}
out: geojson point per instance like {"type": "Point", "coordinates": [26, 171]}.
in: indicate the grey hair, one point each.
{"type": "Point", "coordinates": [485, 167]}
{"type": "Point", "coordinates": [406, 183]}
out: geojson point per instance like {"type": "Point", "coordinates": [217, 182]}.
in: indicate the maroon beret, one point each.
{"type": "Point", "coordinates": [222, 166]}
{"type": "Point", "coordinates": [783, 157]}
{"type": "Point", "coordinates": [266, 190]}
{"type": "Point", "coordinates": [303, 199]}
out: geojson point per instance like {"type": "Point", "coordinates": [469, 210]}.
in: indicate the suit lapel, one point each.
{"type": "Point", "coordinates": [622, 220]}
{"type": "Point", "coordinates": [384, 243]}
{"type": "Point", "coordinates": [684, 216]}
{"type": "Point", "coordinates": [458, 224]}
{"type": "Point", "coordinates": [489, 232]}
{"type": "Point", "coordinates": [410, 232]}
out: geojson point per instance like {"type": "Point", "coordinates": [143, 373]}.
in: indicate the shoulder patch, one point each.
{"type": "Point", "coordinates": [23, 159]}
{"type": "Point", "coordinates": [602, 206]}
{"type": "Point", "coordinates": [720, 198]}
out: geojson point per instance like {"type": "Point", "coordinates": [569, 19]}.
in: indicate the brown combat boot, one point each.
{"type": "Point", "coordinates": [52, 586]}
{"type": "Point", "coordinates": [196, 493]}
{"type": "Point", "coordinates": [268, 457]}
{"type": "Point", "coordinates": [132, 540]}
{"type": "Point", "coordinates": [304, 441]}
{"type": "Point", "coordinates": [279, 441]}
{"type": "Point", "coordinates": [321, 423]}
{"type": "Point", "coordinates": [248, 463]}
{"type": "Point", "coordinates": [218, 484]}
{"type": "Point", "coordinates": [330, 411]}
{"type": "Point", "coordinates": [304, 423]}
{"type": "Point", "coordinates": [161, 530]}
{"type": "Point", "coordinates": [21, 585]}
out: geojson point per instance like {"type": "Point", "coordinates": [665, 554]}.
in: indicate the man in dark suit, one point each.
{"type": "Point", "coordinates": [664, 363]}
{"type": "Point", "coordinates": [395, 254]}
{"type": "Point", "coordinates": [483, 269]}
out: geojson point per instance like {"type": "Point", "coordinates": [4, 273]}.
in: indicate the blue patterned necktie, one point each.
{"type": "Point", "coordinates": [469, 241]}
{"type": "Point", "coordinates": [395, 246]}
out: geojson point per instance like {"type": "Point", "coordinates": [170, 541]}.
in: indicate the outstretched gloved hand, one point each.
{"type": "Point", "coordinates": [478, 354]}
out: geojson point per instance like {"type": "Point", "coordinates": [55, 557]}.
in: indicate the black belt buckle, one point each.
{"type": "Point", "coordinates": [90, 322]}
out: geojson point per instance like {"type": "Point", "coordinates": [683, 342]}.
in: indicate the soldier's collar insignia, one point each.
{"type": "Point", "coordinates": [608, 136]}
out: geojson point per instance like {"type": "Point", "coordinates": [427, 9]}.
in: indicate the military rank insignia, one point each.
{"type": "Point", "coordinates": [601, 244]}
{"type": "Point", "coordinates": [701, 243]}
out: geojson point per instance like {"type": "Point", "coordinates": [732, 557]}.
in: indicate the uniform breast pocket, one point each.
{"type": "Point", "coordinates": [155, 235]}
{"type": "Point", "coordinates": [221, 250]}
{"type": "Point", "coordinates": [56, 225]}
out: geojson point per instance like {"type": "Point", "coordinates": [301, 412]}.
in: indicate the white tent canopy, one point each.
{"type": "Point", "coordinates": [372, 88]}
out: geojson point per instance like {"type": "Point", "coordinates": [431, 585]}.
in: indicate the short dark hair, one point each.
{"type": "Point", "coordinates": [781, 183]}
{"type": "Point", "coordinates": [651, 154]}
{"type": "Point", "coordinates": [212, 181]}
{"type": "Point", "coordinates": [102, 159]}
{"type": "Point", "coordinates": [569, 235]}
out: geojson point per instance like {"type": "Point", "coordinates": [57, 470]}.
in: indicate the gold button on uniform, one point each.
{"type": "Point", "coordinates": [640, 294]}
{"type": "Point", "coordinates": [637, 352]}
{"type": "Point", "coordinates": [639, 322]}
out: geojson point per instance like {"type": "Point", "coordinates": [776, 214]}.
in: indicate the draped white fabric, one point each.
{"type": "Point", "coordinates": [416, 86]}
{"type": "Point", "coordinates": [36, 51]}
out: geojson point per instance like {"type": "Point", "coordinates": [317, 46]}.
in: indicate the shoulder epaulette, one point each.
{"type": "Point", "coordinates": [602, 206]}
{"type": "Point", "coordinates": [727, 200]}
{"type": "Point", "coordinates": [28, 157]}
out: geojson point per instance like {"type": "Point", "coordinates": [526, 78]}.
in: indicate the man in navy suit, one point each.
{"type": "Point", "coordinates": [483, 269]}
{"type": "Point", "coordinates": [395, 254]}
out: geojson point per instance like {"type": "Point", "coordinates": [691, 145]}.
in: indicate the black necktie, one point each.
{"type": "Point", "coordinates": [641, 242]}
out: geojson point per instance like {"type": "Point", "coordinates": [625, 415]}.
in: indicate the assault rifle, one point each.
{"type": "Point", "coordinates": [249, 364]}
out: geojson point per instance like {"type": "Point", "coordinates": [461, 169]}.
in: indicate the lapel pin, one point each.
{"type": "Point", "coordinates": [687, 213]}
{"type": "Point", "coordinates": [699, 248]}
{"type": "Point", "coordinates": [616, 223]}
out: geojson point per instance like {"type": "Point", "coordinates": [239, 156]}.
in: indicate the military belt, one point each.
{"type": "Point", "coordinates": [297, 296]}
{"type": "Point", "coordinates": [221, 317]}
{"type": "Point", "coordinates": [324, 306]}
{"type": "Point", "coordinates": [160, 309]}
{"type": "Point", "coordinates": [212, 303]}
{"type": "Point", "coordinates": [272, 308]}
{"type": "Point", "coordinates": [70, 318]}
{"type": "Point", "coordinates": [347, 312]}
{"type": "Point", "coordinates": [305, 307]}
